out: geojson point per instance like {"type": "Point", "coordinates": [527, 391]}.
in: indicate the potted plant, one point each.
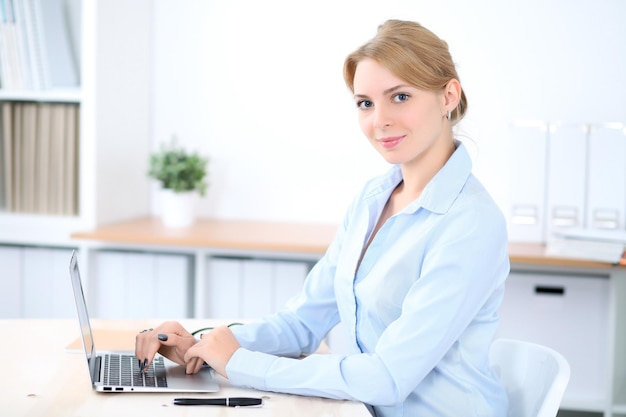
{"type": "Point", "coordinates": [182, 176]}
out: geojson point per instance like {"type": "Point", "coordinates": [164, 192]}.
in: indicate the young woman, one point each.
{"type": "Point", "coordinates": [415, 273]}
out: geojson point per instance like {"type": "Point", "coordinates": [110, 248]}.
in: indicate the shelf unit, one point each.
{"type": "Point", "coordinates": [115, 102]}
{"type": "Point", "coordinates": [229, 256]}
{"type": "Point", "coordinates": [584, 321]}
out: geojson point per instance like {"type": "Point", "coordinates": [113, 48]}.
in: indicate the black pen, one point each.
{"type": "Point", "coordinates": [228, 402]}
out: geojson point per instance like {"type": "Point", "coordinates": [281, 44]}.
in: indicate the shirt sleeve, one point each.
{"type": "Point", "coordinates": [307, 318]}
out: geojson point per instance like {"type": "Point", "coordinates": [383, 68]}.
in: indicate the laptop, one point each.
{"type": "Point", "coordinates": [118, 371]}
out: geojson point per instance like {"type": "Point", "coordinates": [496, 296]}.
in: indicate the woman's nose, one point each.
{"type": "Point", "coordinates": [382, 117]}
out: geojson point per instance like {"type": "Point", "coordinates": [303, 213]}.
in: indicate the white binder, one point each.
{"type": "Point", "coordinates": [606, 199]}
{"type": "Point", "coordinates": [567, 178]}
{"type": "Point", "coordinates": [529, 151]}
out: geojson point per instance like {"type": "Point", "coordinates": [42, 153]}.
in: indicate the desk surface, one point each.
{"type": "Point", "coordinates": [272, 236]}
{"type": "Point", "coordinates": [62, 387]}
{"type": "Point", "coordinates": [210, 233]}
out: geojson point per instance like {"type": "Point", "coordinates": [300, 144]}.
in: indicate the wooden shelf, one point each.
{"type": "Point", "coordinates": [535, 254]}
{"type": "Point", "coordinates": [226, 234]}
{"type": "Point", "coordinates": [53, 95]}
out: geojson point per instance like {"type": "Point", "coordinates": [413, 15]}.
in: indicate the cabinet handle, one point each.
{"type": "Point", "coordinates": [525, 214]}
{"type": "Point", "coordinates": [606, 219]}
{"type": "Point", "coordinates": [565, 217]}
{"type": "Point", "coordinates": [543, 289]}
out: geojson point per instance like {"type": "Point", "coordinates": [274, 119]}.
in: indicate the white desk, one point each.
{"type": "Point", "coordinates": [40, 377]}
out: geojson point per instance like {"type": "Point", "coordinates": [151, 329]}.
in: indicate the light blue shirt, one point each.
{"type": "Point", "coordinates": [420, 312]}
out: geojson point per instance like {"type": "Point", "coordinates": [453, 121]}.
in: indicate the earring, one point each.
{"type": "Point", "coordinates": [449, 114]}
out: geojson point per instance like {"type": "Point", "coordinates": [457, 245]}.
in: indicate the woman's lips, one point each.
{"type": "Point", "coordinates": [391, 141]}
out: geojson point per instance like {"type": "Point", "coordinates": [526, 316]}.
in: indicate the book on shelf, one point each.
{"type": "Point", "coordinates": [15, 71]}
{"type": "Point", "coordinates": [57, 135]}
{"type": "Point", "coordinates": [40, 159]}
{"type": "Point", "coordinates": [39, 44]}
{"type": "Point", "coordinates": [3, 205]}
{"type": "Point", "coordinates": [29, 146]}
{"type": "Point", "coordinates": [43, 158]}
{"type": "Point", "coordinates": [29, 22]}
{"type": "Point", "coordinates": [53, 182]}
{"type": "Point", "coordinates": [10, 65]}
{"type": "Point", "coordinates": [7, 149]}
{"type": "Point", "coordinates": [59, 49]}
{"type": "Point", "coordinates": [22, 40]}
{"type": "Point", "coordinates": [70, 188]}
{"type": "Point", "coordinates": [594, 245]}
{"type": "Point", "coordinates": [16, 138]}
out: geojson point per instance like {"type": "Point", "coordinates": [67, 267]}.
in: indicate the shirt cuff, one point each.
{"type": "Point", "coordinates": [248, 369]}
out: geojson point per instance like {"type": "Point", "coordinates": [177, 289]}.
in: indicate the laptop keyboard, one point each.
{"type": "Point", "coordinates": [123, 370]}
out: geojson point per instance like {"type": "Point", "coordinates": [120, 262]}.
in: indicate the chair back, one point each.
{"type": "Point", "coordinates": [534, 376]}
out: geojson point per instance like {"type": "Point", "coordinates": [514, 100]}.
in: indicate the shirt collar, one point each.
{"type": "Point", "coordinates": [446, 185]}
{"type": "Point", "coordinates": [443, 189]}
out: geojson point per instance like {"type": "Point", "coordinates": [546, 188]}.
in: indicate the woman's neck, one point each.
{"type": "Point", "coordinates": [417, 174]}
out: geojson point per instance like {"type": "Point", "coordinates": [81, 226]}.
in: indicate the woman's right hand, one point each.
{"type": "Point", "coordinates": [170, 339]}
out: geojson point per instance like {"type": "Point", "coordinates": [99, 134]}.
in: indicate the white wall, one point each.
{"type": "Point", "coordinates": [257, 86]}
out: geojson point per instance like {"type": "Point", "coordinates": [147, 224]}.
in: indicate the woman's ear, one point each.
{"type": "Point", "coordinates": [452, 94]}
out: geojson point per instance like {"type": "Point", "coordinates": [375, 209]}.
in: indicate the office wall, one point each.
{"type": "Point", "coordinates": [257, 86]}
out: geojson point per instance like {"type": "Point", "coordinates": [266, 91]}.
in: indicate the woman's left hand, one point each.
{"type": "Point", "coordinates": [215, 348]}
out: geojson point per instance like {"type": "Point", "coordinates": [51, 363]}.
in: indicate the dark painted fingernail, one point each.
{"type": "Point", "coordinates": [141, 365]}
{"type": "Point", "coordinates": [162, 337]}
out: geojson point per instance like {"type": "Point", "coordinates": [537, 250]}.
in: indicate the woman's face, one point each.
{"type": "Point", "coordinates": [403, 123]}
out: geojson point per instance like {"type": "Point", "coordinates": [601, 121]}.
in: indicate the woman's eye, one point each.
{"type": "Point", "coordinates": [364, 104]}
{"type": "Point", "coordinates": [400, 97]}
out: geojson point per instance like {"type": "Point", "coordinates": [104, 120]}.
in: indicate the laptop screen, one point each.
{"type": "Point", "coordinates": [83, 317]}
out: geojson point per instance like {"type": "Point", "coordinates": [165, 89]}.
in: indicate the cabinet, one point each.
{"type": "Point", "coordinates": [573, 312]}
{"type": "Point", "coordinates": [122, 281]}
{"type": "Point", "coordinates": [215, 269]}
{"type": "Point", "coordinates": [35, 283]}
{"type": "Point", "coordinates": [118, 284]}
{"type": "Point", "coordinates": [140, 285]}
{"type": "Point", "coordinates": [249, 288]}
{"type": "Point", "coordinates": [113, 98]}
{"type": "Point", "coordinates": [575, 307]}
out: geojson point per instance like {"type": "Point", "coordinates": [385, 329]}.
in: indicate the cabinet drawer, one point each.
{"type": "Point", "coordinates": [569, 313]}
{"type": "Point", "coordinates": [34, 283]}
{"type": "Point", "coordinates": [250, 288]}
{"type": "Point", "coordinates": [141, 285]}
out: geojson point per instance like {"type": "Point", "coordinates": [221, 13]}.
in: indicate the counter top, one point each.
{"type": "Point", "coordinates": [306, 238]}
{"type": "Point", "coordinates": [213, 233]}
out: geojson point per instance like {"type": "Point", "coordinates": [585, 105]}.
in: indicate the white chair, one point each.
{"type": "Point", "coordinates": [534, 376]}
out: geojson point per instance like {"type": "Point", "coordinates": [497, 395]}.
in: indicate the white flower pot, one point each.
{"type": "Point", "coordinates": [179, 209]}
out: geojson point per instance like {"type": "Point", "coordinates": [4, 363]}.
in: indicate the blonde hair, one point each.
{"type": "Point", "coordinates": [412, 53]}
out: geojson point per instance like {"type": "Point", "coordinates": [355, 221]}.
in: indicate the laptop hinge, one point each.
{"type": "Point", "coordinates": [96, 369]}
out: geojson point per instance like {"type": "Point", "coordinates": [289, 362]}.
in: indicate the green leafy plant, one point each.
{"type": "Point", "coordinates": [179, 170]}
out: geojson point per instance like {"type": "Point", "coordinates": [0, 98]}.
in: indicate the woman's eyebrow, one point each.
{"type": "Point", "coordinates": [392, 89]}
{"type": "Point", "coordinates": [385, 92]}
